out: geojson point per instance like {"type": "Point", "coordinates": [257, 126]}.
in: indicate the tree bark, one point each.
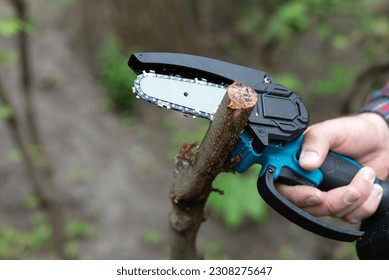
{"type": "Point", "coordinates": [197, 167]}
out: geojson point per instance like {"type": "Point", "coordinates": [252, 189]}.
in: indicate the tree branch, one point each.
{"type": "Point", "coordinates": [196, 170]}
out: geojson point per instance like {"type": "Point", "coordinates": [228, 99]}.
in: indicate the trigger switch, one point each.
{"type": "Point", "coordinates": [289, 177]}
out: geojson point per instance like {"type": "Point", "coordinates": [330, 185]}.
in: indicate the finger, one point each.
{"type": "Point", "coordinates": [367, 208]}
{"type": "Point", "coordinates": [360, 187]}
{"type": "Point", "coordinates": [301, 196]}
{"type": "Point", "coordinates": [342, 201]}
{"type": "Point", "coordinates": [322, 137]}
{"type": "Point", "coordinates": [314, 148]}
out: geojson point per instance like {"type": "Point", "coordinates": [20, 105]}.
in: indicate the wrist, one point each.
{"type": "Point", "coordinates": [379, 125]}
{"type": "Point", "coordinates": [375, 119]}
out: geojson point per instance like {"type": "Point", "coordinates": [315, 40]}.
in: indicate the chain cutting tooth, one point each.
{"type": "Point", "coordinates": [163, 104]}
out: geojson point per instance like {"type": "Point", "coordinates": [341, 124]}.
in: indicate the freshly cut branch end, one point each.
{"type": "Point", "coordinates": [238, 100]}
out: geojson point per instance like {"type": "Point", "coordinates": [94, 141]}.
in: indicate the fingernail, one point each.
{"type": "Point", "coordinates": [377, 190]}
{"type": "Point", "coordinates": [356, 221]}
{"type": "Point", "coordinates": [368, 174]}
{"type": "Point", "coordinates": [312, 200]}
{"type": "Point", "coordinates": [350, 197]}
{"type": "Point", "coordinates": [309, 157]}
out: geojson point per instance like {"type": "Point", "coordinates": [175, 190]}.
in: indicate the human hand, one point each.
{"type": "Point", "coordinates": [363, 137]}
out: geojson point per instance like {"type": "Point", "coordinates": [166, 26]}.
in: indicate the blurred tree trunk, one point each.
{"type": "Point", "coordinates": [31, 145]}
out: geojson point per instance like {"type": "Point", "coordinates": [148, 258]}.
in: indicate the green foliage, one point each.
{"type": "Point", "coordinates": [5, 112]}
{"type": "Point", "coordinates": [78, 228]}
{"type": "Point", "coordinates": [274, 23]}
{"type": "Point", "coordinates": [240, 198]}
{"type": "Point", "coordinates": [339, 79]}
{"type": "Point", "coordinates": [12, 242]}
{"type": "Point", "coordinates": [71, 250]}
{"type": "Point", "coordinates": [347, 23]}
{"type": "Point", "coordinates": [294, 14]}
{"type": "Point", "coordinates": [353, 33]}
{"type": "Point", "coordinates": [214, 250]}
{"type": "Point", "coordinates": [15, 155]}
{"type": "Point", "coordinates": [74, 230]}
{"type": "Point", "coordinates": [116, 76]}
{"type": "Point", "coordinates": [152, 237]}
{"type": "Point", "coordinates": [287, 253]}
{"type": "Point", "coordinates": [289, 80]}
{"type": "Point", "coordinates": [17, 244]}
{"type": "Point", "coordinates": [8, 57]}
{"type": "Point", "coordinates": [32, 202]}
{"type": "Point", "coordinates": [290, 18]}
{"type": "Point", "coordinates": [11, 26]}
{"type": "Point", "coordinates": [41, 235]}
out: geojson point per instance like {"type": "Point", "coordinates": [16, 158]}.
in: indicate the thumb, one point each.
{"type": "Point", "coordinates": [314, 149]}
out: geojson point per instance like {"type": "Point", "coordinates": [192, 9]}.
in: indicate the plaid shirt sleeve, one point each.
{"type": "Point", "coordinates": [378, 102]}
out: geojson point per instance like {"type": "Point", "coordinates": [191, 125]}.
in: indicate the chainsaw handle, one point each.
{"type": "Point", "coordinates": [280, 163]}
{"type": "Point", "coordinates": [298, 216]}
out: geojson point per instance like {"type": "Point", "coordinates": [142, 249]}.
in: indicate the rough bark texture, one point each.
{"type": "Point", "coordinates": [197, 167]}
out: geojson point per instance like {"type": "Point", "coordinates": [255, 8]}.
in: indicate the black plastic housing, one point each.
{"type": "Point", "coordinates": [279, 116]}
{"type": "Point", "coordinates": [192, 66]}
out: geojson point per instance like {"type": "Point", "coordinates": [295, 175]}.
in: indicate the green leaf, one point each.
{"type": "Point", "coordinates": [381, 27]}
{"type": "Point", "coordinates": [32, 202]}
{"type": "Point", "coordinates": [8, 57]}
{"type": "Point", "coordinates": [80, 228]}
{"type": "Point", "coordinates": [240, 198]}
{"type": "Point", "coordinates": [341, 42]}
{"type": "Point", "coordinates": [287, 253]}
{"type": "Point", "coordinates": [117, 78]}
{"type": "Point", "coordinates": [289, 80]}
{"type": "Point", "coordinates": [339, 79]}
{"type": "Point", "coordinates": [15, 155]}
{"type": "Point", "coordinates": [39, 237]}
{"type": "Point", "coordinates": [152, 237]}
{"type": "Point", "coordinates": [5, 112]}
{"type": "Point", "coordinates": [294, 14]}
{"type": "Point", "coordinates": [12, 26]}
{"type": "Point", "coordinates": [324, 32]}
{"type": "Point", "coordinates": [71, 249]}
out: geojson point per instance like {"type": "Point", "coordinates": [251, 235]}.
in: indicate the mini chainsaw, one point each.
{"type": "Point", "coordinates": [273, 136]}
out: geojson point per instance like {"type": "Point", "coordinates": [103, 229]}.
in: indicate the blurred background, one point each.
{"type": "Point", "coordinates": [86, 168]}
